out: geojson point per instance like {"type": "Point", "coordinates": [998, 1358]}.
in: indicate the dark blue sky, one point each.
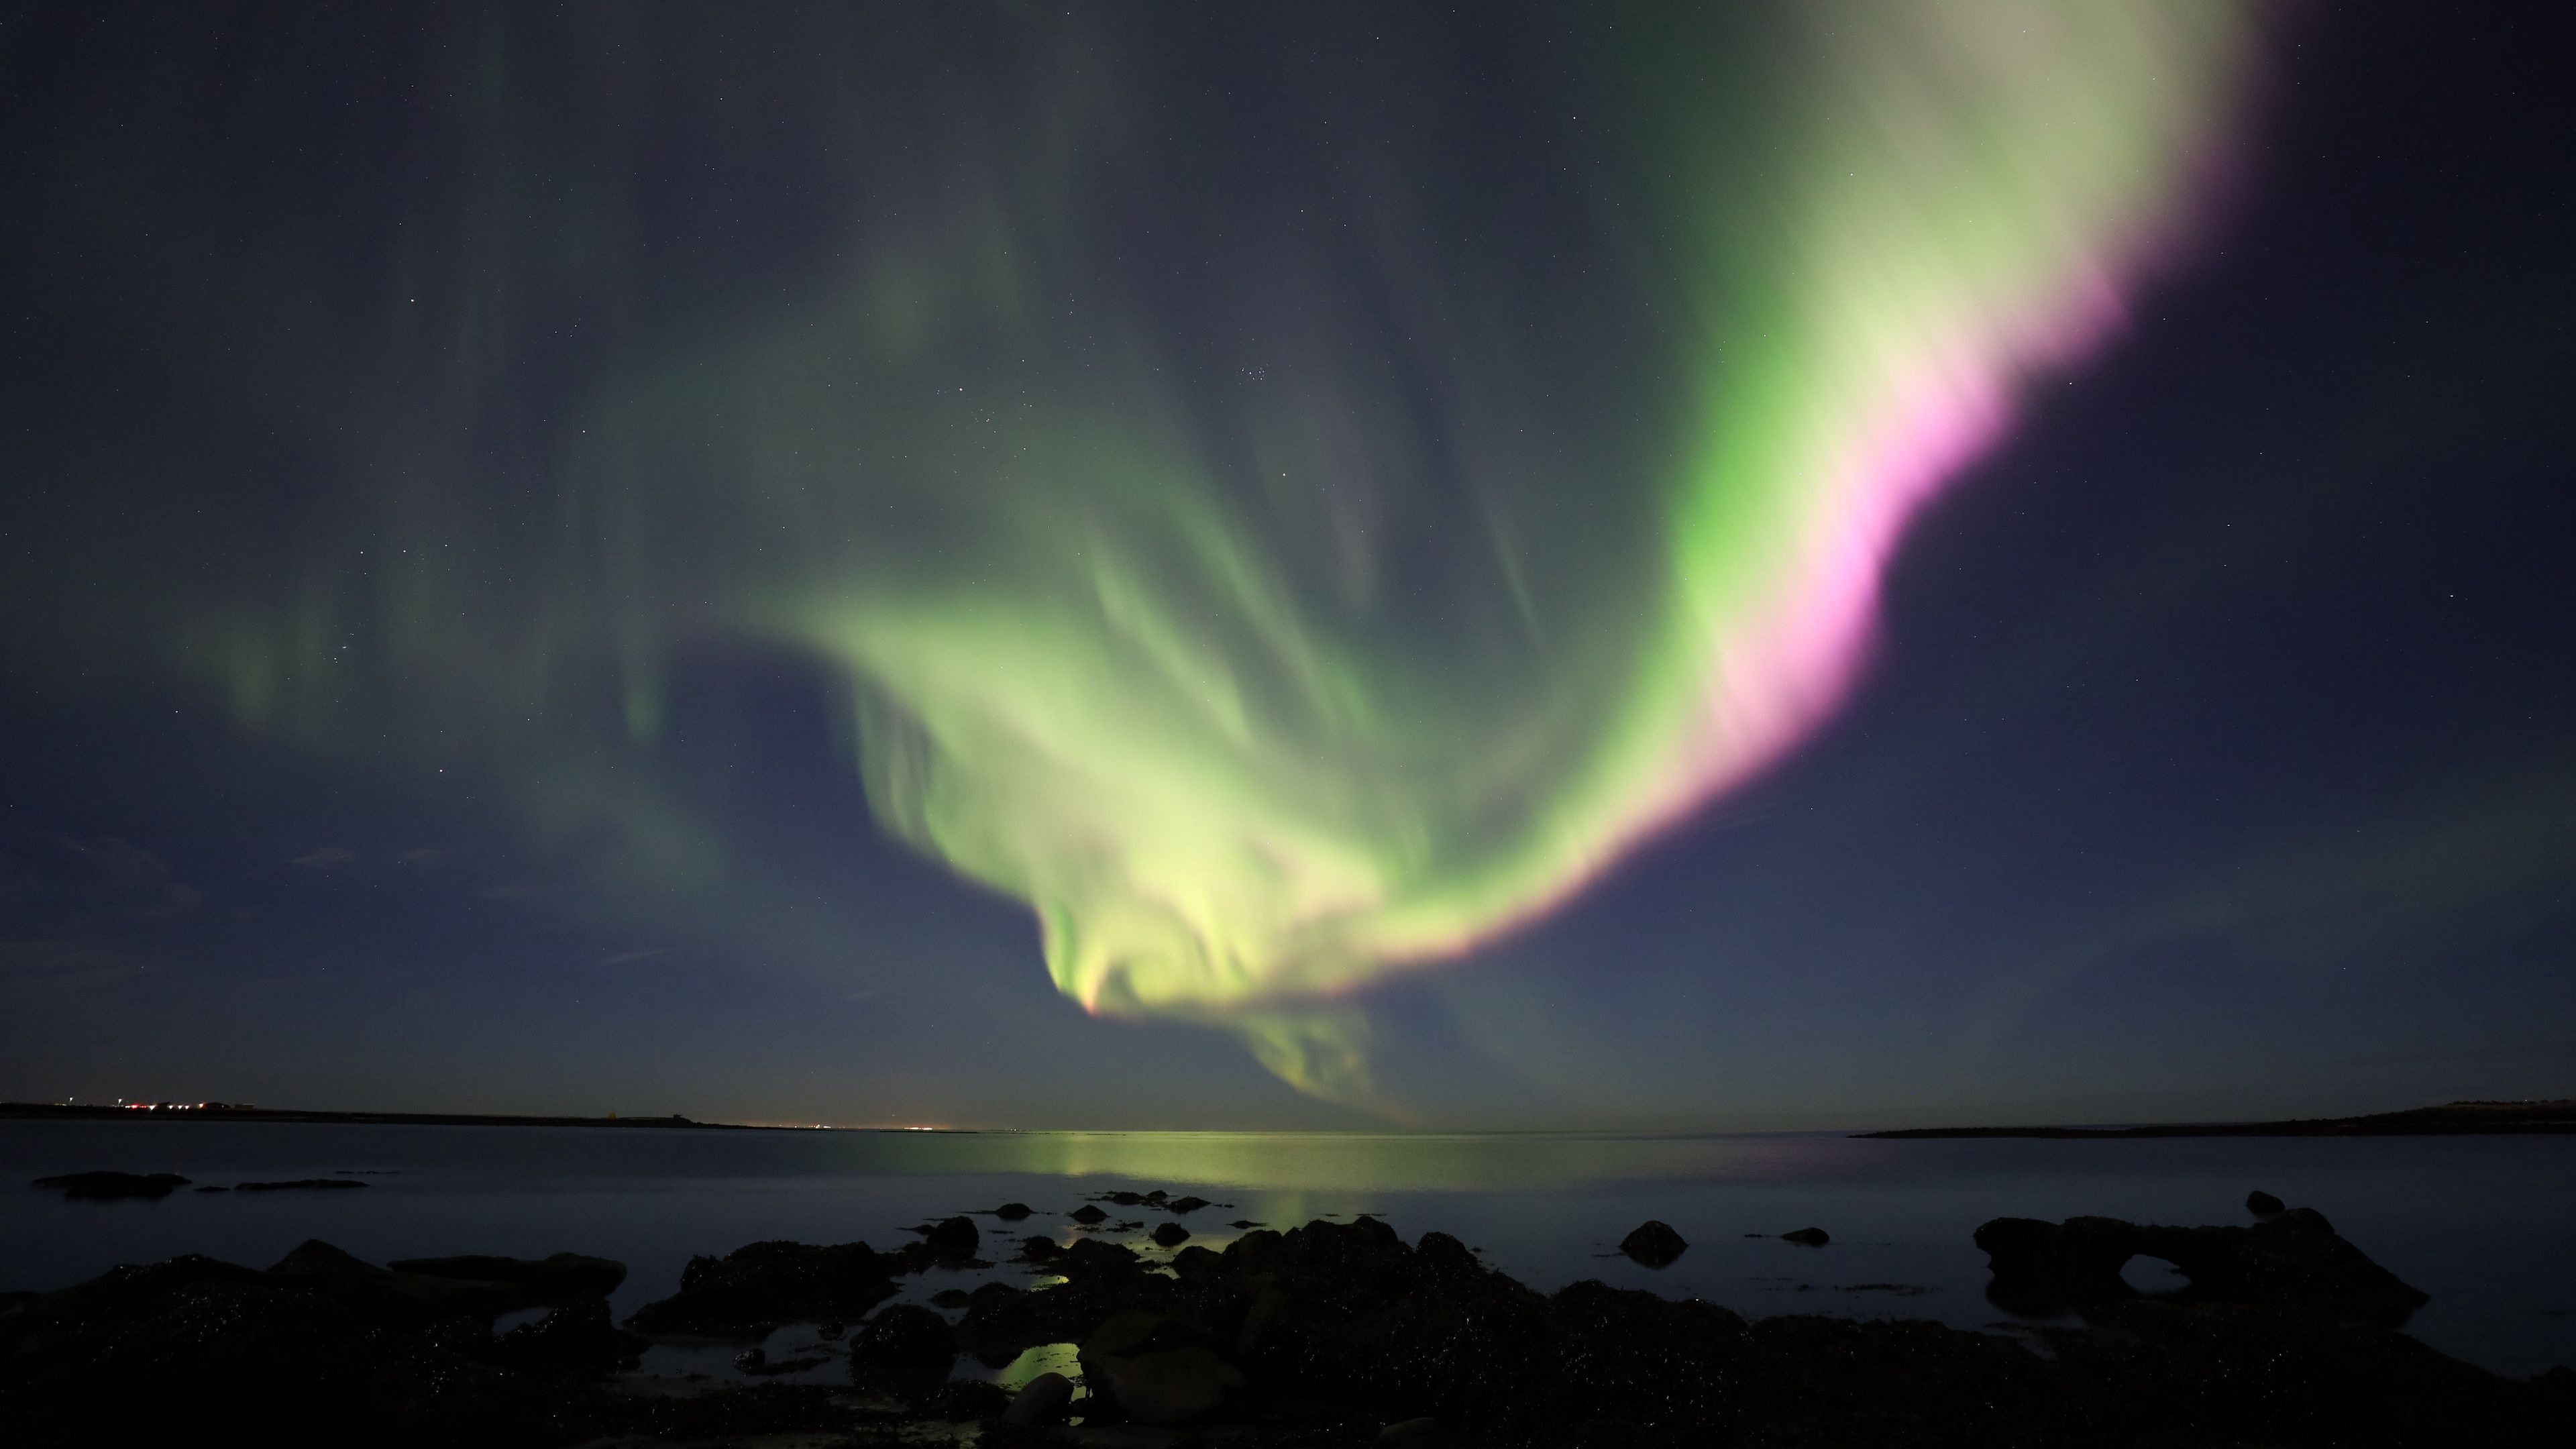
{"type": "Point", "coordinates": [2218, 757]}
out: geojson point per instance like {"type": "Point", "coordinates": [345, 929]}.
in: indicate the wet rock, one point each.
{"type": "Point", "coordinates": [1088, 1213]}
{"type": "Point", "coordinates": [759, 1286]}
{"type": "Point", "coordinates": [558, 1278]}
{"type": "Point", "coordinates": [387, 1296]}
{"type": "Point", "coordinates": [2263, 1205]}
{"type": "Point", "coordinates": [1185, 1204]}
{"type": "Point", "coordinates": [1246, 1223]}
{"type": "Point", "coordinates": [1177, 1386]}
{"type": "Point", "coordinates": [1808, 1237]}
{"type": "Point", "coordinates": [193, 1351]}
{"type": "Point", "coordinates": [1040, 1250]}
{"type": "Point", "coordinates": [575, 1339]}
{"type": "Point", "coordinates": [1124, 1198]}
{"type": "Point", "coordinates": [302, 1184]}
{"type": "Point", "coordinates": [2292, 1259]}
{"type": "Point", "coordinates": [1042, 1401]}
{"type": "Point", "coordinates": [1156, 1197]}
{"type": "Point", "coordinates": [758, 1364]}
{"type": "Point", "coordinates": [830, 1330]}
{"type": "Point", "coordinates": [964, 1400]}
{"type": "Point", "coordinates": [904, 1333]}
{"type": "Point", "coordinates": [1011, 1212]}
{"type": "Point", "coordinates": [1654, 1244]}
{"type": "Point", "coordinates": [107, 1186]}
{"type": "Point", "coordinates": [1171, 1235]}
{"type": "Point", "coordinates": [952, 1238]}
{"type": "Point", "coordinates": [950, 1298]}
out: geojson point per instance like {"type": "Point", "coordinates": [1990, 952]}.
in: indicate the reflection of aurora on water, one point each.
{"type": "Point", "coordinates": [1272, 607]}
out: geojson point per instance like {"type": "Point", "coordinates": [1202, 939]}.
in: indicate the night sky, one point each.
{"type": "Point", "coordinates": [1494, 565]}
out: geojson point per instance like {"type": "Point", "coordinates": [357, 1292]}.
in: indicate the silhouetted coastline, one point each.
{"type": "Point", "coordinates": [2451, 1119]}
{"type": "Point", "coordinates": [231, 1112]}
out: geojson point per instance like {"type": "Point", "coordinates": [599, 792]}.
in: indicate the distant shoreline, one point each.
{"type": "Point", "coordinates": [88, 1112]}
{"type": "Point", "coordinates": [2451, 1119]}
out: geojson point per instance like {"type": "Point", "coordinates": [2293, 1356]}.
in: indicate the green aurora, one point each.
{"type": "Point", "coordinates": [1272, 605]}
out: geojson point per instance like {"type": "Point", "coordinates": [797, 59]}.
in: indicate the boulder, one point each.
{"type": "Point", "coordinates": [1185, 1204]}
{"type": "Point", "coordinates": [106, 1186]}
{"type": "Point", "coordinates": [2292, 1259]}
{"type": "Point", "coordinates": [1011, 1212]}
{"type": "Point", "coordinates": [1088, 1213]}
{"type": "Point", "coordinates": [576, 1339]}
{"type": "Point", "coordinates": [1654, 1244]}
{"type": "Point", "coordinates": [301, 1184]}
{"type": "Point", "coordinates": [952, 1238]}
{"type": "Point", "coordinates": [386, 1296]}
{"type": "Point", "coordinates": [904, 1333]}
{"type": "Point", "coordinates": [1173, 1386]}
{"type": "Point", "coordinates": [2263, 1205]}
{"type": "Point", "coordinates": [1171, 1235]}
{"type": "Point", "coordinates": [1808, 1237]}
{"type": "Point", "coordinates": [557, 1278]}
{"type": "Point", "coordinates": [1041, 1402]}
{"type": "Point", "coordinates": [963, 1400]}
{"type": "Point", "coordinates": [759, 1286]}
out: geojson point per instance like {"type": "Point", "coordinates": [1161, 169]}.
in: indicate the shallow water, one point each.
{"type": "Point", "coordinates": [2487, 1225]}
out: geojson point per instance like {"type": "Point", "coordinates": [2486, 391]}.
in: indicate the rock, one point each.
{"type": "Point", "coordinates": [559, 1278]}
{"type": "Point", "coordinates": [302, 1184]}
{"type": "Point", "coordinates": [1124, 1198]}
{"type": "Point", "coordinates": [1041, 1402]}
{"type": "Point", "coordinates": [1808, 1237]}
{"type": "Point", "coordinates": [1185, 1204]}
{"type": "Point", "coordinates": [964, 1400]}
{"type": "Point", "coordinates": [1422, 1433]}
{"type": "Point", "coordinates": [759, 1286]}
{"type": "Point", "coordinates": [1011, 1212]}
{"type": "Point", "coordinates": [1654, 1244]}
{"type": "Point", "coordinates": [194, 1351]}
{"type": "Point", "coordinates": [2292, 1259]}
{"type": "Point", "coordinates": [1156, 1197]}
{"type": "Point", "coordinates": [952, 1238]}
{"type": "Point", "coordinates": [2262, 1204]}
{"type": "Point", "coordinates": [904, 1333]}
{"type": "Point", "coordinates": [1171, 1235]}
{"type": "Point", "coordinates": [1040, 1250]}
{"type": "Point", "coordinates": [1173, 1386]}
{"type": "Point", "coordinates": [408, 1299]}
{"type": "Point", "coordinates": [830, 1330]}
{"type": "Point", "coordinates": [758, 1364]}
{"type": "Point", "coordinates": [577, 1339]}
{"type": "Point", "coordinates": [950, 1298]}
{"type": "Point", "coordinates": [1088, 1213]}
{"type": "Point", "coordinates": [106, 1186]}
{"type": "Point", "coordinates": [1246, 1223]}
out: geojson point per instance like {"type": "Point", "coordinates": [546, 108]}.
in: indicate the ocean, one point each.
{"type": "Point", "coordinates": [2486, 1225]}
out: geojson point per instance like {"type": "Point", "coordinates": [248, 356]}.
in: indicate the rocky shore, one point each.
{"type": "Point", "coordinates": [1330, 1334]}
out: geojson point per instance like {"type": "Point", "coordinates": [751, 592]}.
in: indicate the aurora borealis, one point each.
{"type": "Point", "coordinates": [1287, 498]}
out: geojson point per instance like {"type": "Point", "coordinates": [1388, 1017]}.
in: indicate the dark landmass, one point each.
{"type": "Point", "coordinates": [223, 1112]}
{"type": "Point", "coordinates": [2452, 1119]}
{"type": "Point", "coordinates": [1329, 1336]}
{"type": "Point", "coordinates": [105, 1186]}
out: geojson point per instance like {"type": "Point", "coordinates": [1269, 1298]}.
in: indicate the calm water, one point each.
{"type": "Point", "coordinates": [2485, 1225]}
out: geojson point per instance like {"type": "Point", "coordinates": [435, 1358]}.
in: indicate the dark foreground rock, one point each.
{"type": "Point", "coordinates": [754, 1289]}
{"type": "Point", "coordinates": [1326, 1335]}
{"type": "Point", "coordinates": [2293, 1258]}
{"type": "Point", "coordinates": [105, 1186]}
{"type": "Point", "coordinates": [1808, 1237]}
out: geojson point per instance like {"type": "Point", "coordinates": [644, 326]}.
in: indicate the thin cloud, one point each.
{"type": "Point", "coordinates": [329, 857]}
